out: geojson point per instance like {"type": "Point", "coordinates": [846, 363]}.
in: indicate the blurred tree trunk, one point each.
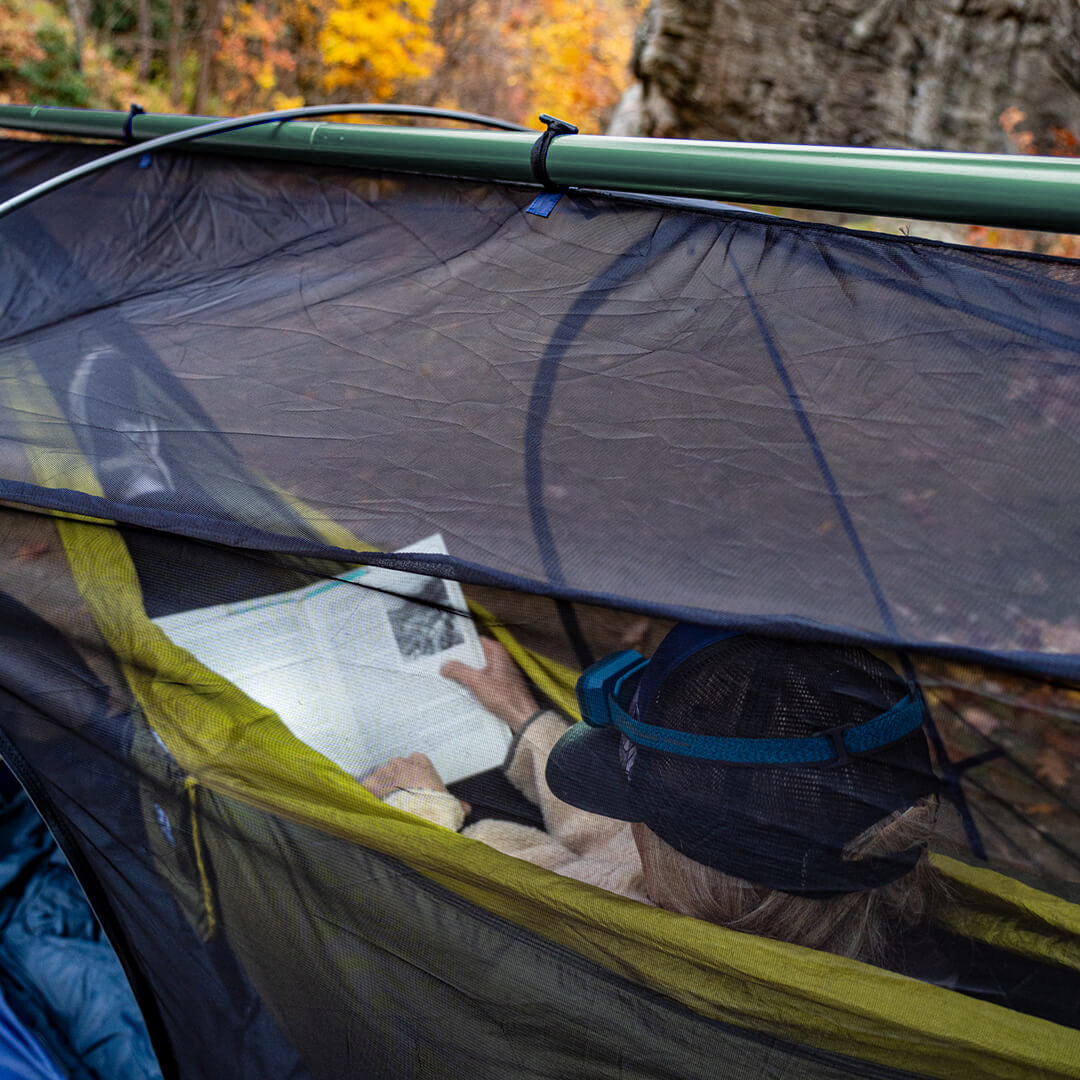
{"type": "Point", "coordinates": [918, 73]}
{"type": "Point", "coordinates": [77, 14]}
{"type": "Point", "coordinates": [305, 19]}
{"type": "Point", "coordinates": [146, 38]}
{"type": "Point", "coordinates": [473, 65]}
{"type": "Point", "coordinates": [176, 54]}
{"type": "Point", "coordinates": [207, 53]}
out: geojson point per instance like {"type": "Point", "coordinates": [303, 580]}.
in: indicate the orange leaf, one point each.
{"type": "Point", "coordinates": [1052, 767]}
{"type": "Point", "coordinates": [1010, 118]}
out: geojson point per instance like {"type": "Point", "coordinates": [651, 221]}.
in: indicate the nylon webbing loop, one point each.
{"type": "Point", "coordinates": [832, 747]}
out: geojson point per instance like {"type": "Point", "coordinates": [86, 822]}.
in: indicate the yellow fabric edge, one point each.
{"type": "Point", "coordinates": [235, 747]}
{"type": "Point", "coordinates": [190, 784]}
{"type": "Point", "coordinates": [1010, 915]}
{"type": "Point", "coordinates": [330, 530]}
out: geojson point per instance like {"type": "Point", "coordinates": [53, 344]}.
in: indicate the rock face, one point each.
{"type": "Point", "coordinates": [935, 74]}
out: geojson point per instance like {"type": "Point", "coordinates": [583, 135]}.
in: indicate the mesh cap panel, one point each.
{"type": "Point", "coordinates": [777, 825]}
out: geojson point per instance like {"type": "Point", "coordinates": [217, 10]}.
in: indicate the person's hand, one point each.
{"type": "Point", "coordinates": [500, 686]}
{"type": "Point", "coordinates": [415, 772]}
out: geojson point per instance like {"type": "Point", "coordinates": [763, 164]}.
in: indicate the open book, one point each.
{"type": "Point", "coordinates": [352, 666]}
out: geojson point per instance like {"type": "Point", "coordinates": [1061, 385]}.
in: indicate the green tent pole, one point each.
{"type": "Point", "coordinates": [1018, 191]}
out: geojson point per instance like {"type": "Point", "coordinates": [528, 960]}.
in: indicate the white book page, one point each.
{"type": "Point", "coordinates": [352, 667]}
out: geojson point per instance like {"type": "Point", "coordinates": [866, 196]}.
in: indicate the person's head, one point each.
{"type": "Point", "coordinates": [775, 787]}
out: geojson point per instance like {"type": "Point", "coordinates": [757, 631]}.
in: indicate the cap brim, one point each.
{"type": "Point", "coordinates": [584, 770]}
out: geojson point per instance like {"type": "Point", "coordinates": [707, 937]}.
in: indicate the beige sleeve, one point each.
{"type": "Point", "coordinates": [577, 830]}
{"type": "Point", "coordinates": [438, 807]}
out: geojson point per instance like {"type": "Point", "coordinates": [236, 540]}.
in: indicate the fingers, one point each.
{"type": "Point", "coordinates": [456, 670]}
{"type": "Point", "coordinates": [377, 782]}
{"type": "Point", "coordinates": [499, 686]}
{"type": "Point", "coordinates": [471, 678]}
{"type": "Point", "coordinates": [399, 772]}
{"type": "Point", "coordinates": [494, 651]}
{"type": "Point", "coordinates": [380, 782]}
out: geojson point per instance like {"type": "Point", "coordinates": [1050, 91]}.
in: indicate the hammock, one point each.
{"type": "Point", "coordinates": [227, 380]}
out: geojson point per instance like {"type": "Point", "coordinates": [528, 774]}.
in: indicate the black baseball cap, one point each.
{"type": "Point", "coordinates": [759, 757]}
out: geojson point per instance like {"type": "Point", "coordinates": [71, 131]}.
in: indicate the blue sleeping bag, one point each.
{"type": "Point", "coordinates": [21, 1055]}
{"type": "Point", "coordinates": [58, 974]}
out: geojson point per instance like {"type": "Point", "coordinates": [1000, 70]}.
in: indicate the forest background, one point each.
{"type": "Point", "coordinates": [938, 74]}
{"type": "Point", "coordinates": [508, 58]}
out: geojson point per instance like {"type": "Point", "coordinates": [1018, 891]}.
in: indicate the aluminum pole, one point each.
{"type": "Point", "coordinates": [1017, 191]}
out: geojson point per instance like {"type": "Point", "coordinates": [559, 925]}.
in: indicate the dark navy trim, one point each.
{"type": "Point", "coordinates": [797, 407]}
{"type": "Point", "coordinates": [993, 754]}
{"type": "Point", "coordinates": [1027, 328]}
{"type": "Point", "coordinates": [574, 634]}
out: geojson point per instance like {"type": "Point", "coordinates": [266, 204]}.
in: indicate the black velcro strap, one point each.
{"type": "Point", "coordinates": [135, 110]}
{"type": "Point", "coordinates": [538, 157]}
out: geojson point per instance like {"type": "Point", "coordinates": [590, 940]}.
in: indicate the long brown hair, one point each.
{"type": "Point", "coordinates": [862, 925]}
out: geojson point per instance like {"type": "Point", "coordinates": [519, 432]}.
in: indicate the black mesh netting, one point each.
{"type": "Point", "coordinates": [221, 379]}
{"type": "Point", "coordinates": [702, 414]}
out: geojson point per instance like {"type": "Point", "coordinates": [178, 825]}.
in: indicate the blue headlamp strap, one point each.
{"type": "Point", "coordinates": [607, 685]}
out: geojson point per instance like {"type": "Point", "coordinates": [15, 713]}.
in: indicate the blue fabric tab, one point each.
{"type": "Point", "coordinates": [544, 203]}
{"type": "Point", "coordinates": [901, 720]}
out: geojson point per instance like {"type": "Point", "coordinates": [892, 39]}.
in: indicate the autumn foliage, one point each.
{"type": "Point", "coordinates": [252, 58]}
{"type": "Point", "coordinates": [370, 47]}
{"type": "Point", "coordinates": [512, 58]}
{"type": "Point", "coordinates": [1062, 143]}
